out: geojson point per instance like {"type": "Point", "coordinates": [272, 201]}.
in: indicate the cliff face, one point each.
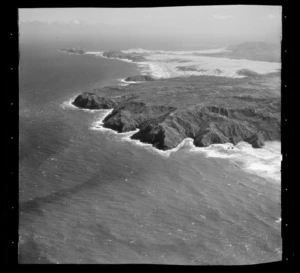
{"type": "Point", "coordinates": [207, 128]}
{"type": "Point", "coordinates": [93, 101]}
{"type": "Point", "coordinates": [207, 119]}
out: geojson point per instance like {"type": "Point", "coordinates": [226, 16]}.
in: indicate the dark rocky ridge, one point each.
{"type": "Point", "coordinates": [247, 73]}
{"type": "Point", "coordinates": [206, 108]}
{"type": "Point", "coordinates": [139, 78]}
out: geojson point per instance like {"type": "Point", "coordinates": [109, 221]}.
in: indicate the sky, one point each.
{"type": "Point", "coordinates": [191, 23]}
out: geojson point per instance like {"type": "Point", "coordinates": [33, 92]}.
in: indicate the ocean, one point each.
{"type": "Point", "coordinates": [89, 195]}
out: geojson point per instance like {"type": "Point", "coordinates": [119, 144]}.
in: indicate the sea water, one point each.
{"type": "Point", "coordinates": [90, 195]}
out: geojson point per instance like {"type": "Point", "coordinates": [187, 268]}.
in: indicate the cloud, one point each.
{"type": "Point", "coordinates": [222, 17]}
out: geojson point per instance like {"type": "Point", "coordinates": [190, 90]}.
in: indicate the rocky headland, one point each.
{"type": "Point", "coordinates": [207, 109]}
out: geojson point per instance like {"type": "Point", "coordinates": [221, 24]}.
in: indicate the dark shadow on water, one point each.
{"type": "Point", "coordinates": [30, 253]}
{"type": "Point", "coordinates": [35, 205]}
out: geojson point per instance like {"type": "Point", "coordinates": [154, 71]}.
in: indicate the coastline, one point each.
{"type": "Point", "coordinates": [225, 150]}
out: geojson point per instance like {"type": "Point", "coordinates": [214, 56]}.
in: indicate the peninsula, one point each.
{"type": "Point", "coordinates": [208, 109]}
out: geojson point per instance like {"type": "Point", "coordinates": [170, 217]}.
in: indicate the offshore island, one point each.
{"type": "Point", "coordinates": [208, 109]}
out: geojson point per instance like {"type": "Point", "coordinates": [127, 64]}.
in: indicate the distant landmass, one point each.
{"type": "Point", "coordinates": [79, 51]}
{"type": "Point", "coordinates": [256, 51]}
{"type": "Point", "coordinates": [207, 109]}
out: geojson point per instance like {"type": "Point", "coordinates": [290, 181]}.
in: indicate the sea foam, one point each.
{"type": "Point", "coordinates": [68, 104]}
{"type": "Point", "coordinates": [264, 162]}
